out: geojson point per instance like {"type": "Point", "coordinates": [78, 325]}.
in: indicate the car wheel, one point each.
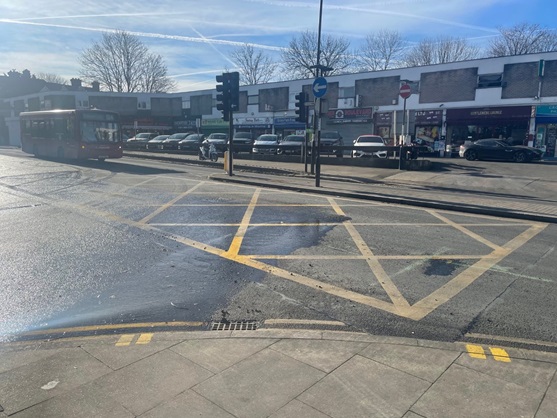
{"type": "Point", "coordinates": [279, 152]}
{"type": "Point", "coordinates": [520, 157]}
{"type": "Point", "coordinates": [471, 155]}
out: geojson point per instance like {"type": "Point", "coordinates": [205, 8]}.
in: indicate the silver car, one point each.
{"type": "Point", "coordinates": [266, 144]}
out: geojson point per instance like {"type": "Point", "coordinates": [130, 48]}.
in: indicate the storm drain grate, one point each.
{"type": "Point", "coordinates": [234, 326]}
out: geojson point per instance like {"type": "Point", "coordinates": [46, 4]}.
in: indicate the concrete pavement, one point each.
{"type": "Point", "coordinates": [272, 373]}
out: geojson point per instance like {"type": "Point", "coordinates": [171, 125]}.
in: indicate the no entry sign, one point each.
{"type": "Point", "coordinates": [405, 91]}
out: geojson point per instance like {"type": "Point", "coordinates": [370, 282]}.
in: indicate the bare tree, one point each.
{"type": "Point", "coordinates": [301, 55]}
{"type": "Point", "coordinates": [51, 78]}
{"type": "Point", "coordinates": [255, 67]}
{"type": "Point", "coordinates": [382, 50]}
{"type": "Point", "coordinates": [523, 38]}
{"type": "Point", "coordinates": [122, 63]}
{"type": "Point", "coordinates": [441, 50]}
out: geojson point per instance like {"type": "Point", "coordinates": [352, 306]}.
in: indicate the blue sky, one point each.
{"type": "Point", "coordinates": [196, 37]}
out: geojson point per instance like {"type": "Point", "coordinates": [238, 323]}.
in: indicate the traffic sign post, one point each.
{"type": "Point", "coordinates": [319, 87]}
{"type": "Point", "coordinates": [405, 92]}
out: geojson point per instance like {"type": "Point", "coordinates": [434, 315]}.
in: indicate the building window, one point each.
{"type": "Point", "coordinates": [253, 100]}
{"type": "Point", "coordinates": [486, 81]}
{"type": "Point", "coordinates": [186, 104]}
{"type": "Point", "coordinates": [346, 92]}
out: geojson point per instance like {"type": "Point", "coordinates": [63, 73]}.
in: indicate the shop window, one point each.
{"type": "Point", "coordinates": [486, 81]}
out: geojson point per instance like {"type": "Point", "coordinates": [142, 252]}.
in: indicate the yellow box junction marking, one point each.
{"type": "Point", "coordinates": [126, 339]}
{"type": "Point", "coordinates": [399, 305]}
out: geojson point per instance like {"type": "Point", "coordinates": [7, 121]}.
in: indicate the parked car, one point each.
{"type": "Point", "coordinates": [243, 142]}
{"type": "Point", "coordinates": [191, 142]}
{"type": "Point", "coordinates": [329, 140]}
{"type": "Point", "coordinates": [172, 141]}
{"type": "Point", "coordinates": [139, 140]}
{"type": "Point", "coordinates": [497, 149]}
{"type": "Point", "coordinates": [156, 142]}
{"type": "Point", "coordinates": [367, 141]}
{"type": "Point", "coordinates": [266, 144]}
{"type": "Point", "coordinates": [219, 140]}
{"type": "Point", "coordinates": [292, 144]}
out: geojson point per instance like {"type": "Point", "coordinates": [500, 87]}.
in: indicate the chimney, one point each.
{"type": "Point", "coordinates": [96, 86]}
{"type": "Point", "coordinates": [76, 83]}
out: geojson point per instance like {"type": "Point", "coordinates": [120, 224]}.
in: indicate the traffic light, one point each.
{"type": "Point", "coordinates": [234, 90]}
{"type": "Point", "coordinates": [223, 96]}
{"type": "Point", "coordinates": [301, 109]}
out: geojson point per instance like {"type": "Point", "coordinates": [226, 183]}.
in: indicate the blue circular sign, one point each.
{"type": "Point", "coordinates": [319, 87]}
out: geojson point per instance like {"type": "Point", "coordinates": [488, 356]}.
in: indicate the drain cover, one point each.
{"type": "Point", "coordinates": [234, 326]}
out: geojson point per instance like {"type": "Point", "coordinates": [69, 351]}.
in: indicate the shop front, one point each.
{"type": "Point", "coordinates": [256, 125]}
{"type": "Point", "coordinates": [350, 123]}
{"type": "Point", "coordinates": [428, 129]}
{"type": "Point", "coordinates": [509, 123]}
{"type": "Point", "coordinates": [132, 125]}
{"type": "Point", "coordinates": [288, 125]}
{"type": "Point", "coordinates": [188, 124]}
{"type": "Point", "coordinates": [546, 129]}
{"type": "Point", "coordinates": [210, 126]}
{"type": "Point", "coordinates": [383, 123]}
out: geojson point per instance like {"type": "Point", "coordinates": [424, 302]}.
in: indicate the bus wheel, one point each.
{"type": "Point", "coordinates": [60, 153]}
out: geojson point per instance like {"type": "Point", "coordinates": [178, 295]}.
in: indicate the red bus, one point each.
{"type": "Point", "coordinates": [75, 134]}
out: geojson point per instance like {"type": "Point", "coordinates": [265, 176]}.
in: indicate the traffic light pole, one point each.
{"type": "Point", "coordinates": [230, 142]}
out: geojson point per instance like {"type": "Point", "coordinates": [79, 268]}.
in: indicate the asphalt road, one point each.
{"type": "Point", "coordinates": [145, 242]}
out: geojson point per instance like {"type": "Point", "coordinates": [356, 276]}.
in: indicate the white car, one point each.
{"type": "Point", "coordinates": [266, 144]}
{"type": "Point", "coordinates": [367, 141]}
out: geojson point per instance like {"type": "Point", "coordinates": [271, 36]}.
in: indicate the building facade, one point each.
{"type": "Point", "coordinates": [511, 97]}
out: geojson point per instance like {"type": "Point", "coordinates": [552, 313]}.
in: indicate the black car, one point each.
{"type": "Point", "coordinates": [330, 140]}
{"type": "Point", "coordinates": [497, 149]}
{"type": "Point", "coordinates": [242, 142]}
{"type": "Point", "coordinates": [173, 140]}
{"type": "Point", "coordinates": [292, 144]}
{"type": "Point", "coordinates": [156, 142]}
{"type": "Point", "coordinates": [191, 142]}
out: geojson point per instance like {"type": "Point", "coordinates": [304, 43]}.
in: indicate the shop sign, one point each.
{"type": "Point", "coordinates": [356, 115]}
{"type": "Point", "coordinates": [213, 123]}
{"type": "Point", "coordinates": [383, 118]}
{"type": "Point", "coordinates": [428, 117]}
{"type": "Point", "coordinates": [288, 122]}
{"type": "Point", "coordinates": [514, 112]}
{"type": "Point", "coordinates": [546, 110]}
{"type": "Point", "coordinates": [186, 124]}
{"type": "Point", "coordinates": [253, 121]}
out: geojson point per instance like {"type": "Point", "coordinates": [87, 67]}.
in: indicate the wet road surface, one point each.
{"type": "Point", "coordinates": [136, 242]}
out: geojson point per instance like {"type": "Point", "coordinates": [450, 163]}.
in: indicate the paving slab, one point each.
{"type": "Point", "coordinates": [425, 363]}
{"type": "Point", "coordinates": [118, 357]}
{"type": "Point", "coordinates": [321, 354]}
{"type": "Point", "coordinates": [462, 393]}
{"type": "Point", "coordinates": [259, 385]}
{"type": "Point", "coordinates": [38, 381]}
{"type": "Point", "coordinates": [297, 409]}
{"type": "Point", "coordinates": [548, 407]}
{"type": "Point", "coordinates": [217, 355]}
{"type": "Point", "coordinates": [187, 405]}
{"type": "Point", "coordinates": [364, 388]}
{"type": "Point", "coordinates": [148, 382]}
{"type": "Point", "coordinates": [83, 402]}
{"type": "Point", "coordinates": [12, 359]}
{"type": "Point", "coordinates": [529, 374]}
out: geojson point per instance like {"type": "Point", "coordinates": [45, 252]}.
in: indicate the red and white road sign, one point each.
{"type": "Point", "coordinates": [405, 91]}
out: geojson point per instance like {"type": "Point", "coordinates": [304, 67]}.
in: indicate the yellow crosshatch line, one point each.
{"type": "Point", "coordinates": [399, 305]}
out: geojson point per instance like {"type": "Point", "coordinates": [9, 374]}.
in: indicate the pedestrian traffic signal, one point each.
{"type": "Point", "coordinates": [301, 110]}
{"type": "Point", "coordinates": [223, 96]}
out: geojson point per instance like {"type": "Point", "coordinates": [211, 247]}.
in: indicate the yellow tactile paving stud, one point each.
{"type": "Point", "coordinates": [126, 339]}
{"type": "Point", "coordinates": [395, 302]}
{"type": "Point", "coordinates": [478, 352]}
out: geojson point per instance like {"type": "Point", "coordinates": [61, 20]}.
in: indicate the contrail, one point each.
{"type": "Point", "coordinates": [373, 11]}
{"type": "Point", "coordinates": [149, 35]}
{"type": "Point", "coordinates": [213, 46]}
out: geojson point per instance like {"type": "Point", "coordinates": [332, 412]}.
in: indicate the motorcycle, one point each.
{"type": "Point", "coordinates": [208, 152]}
